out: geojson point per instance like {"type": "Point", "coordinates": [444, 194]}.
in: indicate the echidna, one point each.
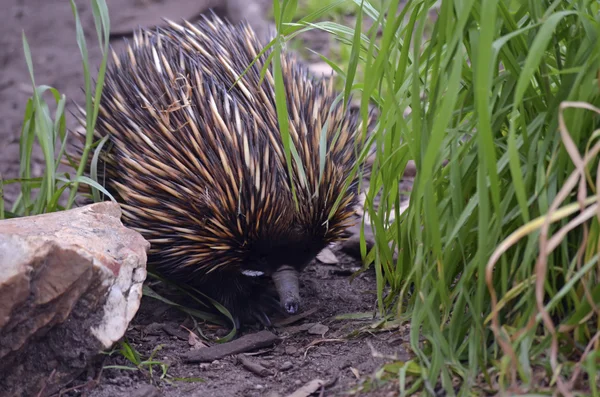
{"type": "Point", "coordinates": [198, 163]}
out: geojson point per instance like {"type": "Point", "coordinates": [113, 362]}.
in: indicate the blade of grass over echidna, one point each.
{"type": "Point", "coordinates": [222, 309]}
{"type": "Point", "coordinates": [88, 181]}
{"type": "Point", "coordinates": [101, 17]}
{"type": "Point", "coordinates": [205, 316]}
{"type": "Point", "coordinates": [94, 165]}
{"type": "Point", "coordinates": [338, 70]}
{"type": "Point", "coordinates": [290, 28]}
{"type": "Point", "coordinates": [283, 121]}
{"type": "Point", "coordinates": [22, 203]}
{"type": "Point", "coordinates": [281, 104]}
{"type": "Point", "coordinates": [193, 293]}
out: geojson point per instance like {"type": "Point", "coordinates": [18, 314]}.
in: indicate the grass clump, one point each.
{"type": "Point", "coordinates": [146, 366]}
{"type": "Point", "coordinates": [47, 129]}
{"type": "Point", "coordinates": [497, 267]}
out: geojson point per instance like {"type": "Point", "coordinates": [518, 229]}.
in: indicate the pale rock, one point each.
{"type": "Point", "coordinates": [318, 329]}
{"type": "Point", "coordinates": [327, 257]}
{"type": "Point", "coordinates": [70, 283]}
{"type": "Point", "coordinates": [321, 69]}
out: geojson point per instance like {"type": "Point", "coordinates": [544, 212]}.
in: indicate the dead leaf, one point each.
{"type": "Point", "coordinates": [194, 340]}
{"type": "Point", "coordinates": [327, 257]}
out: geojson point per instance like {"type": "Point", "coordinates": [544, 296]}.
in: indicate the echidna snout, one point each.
{"type": "Point", "coordinates": [287, 285]}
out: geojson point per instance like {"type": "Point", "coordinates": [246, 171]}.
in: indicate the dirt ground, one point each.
{"type": "Point", "coordinates": [299, 358]}
{"type": "Point", "coordinates": [305, 352]}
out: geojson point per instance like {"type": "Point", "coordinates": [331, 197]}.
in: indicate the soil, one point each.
{"type": "Point", "coordinates": [341, 362]}
{"type": "Point", "coordinates": [316, 347]}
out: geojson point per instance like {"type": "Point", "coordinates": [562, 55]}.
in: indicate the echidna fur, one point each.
{"type": "Point", "coordinates": [198, 165]}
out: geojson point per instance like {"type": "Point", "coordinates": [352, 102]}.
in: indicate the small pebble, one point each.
{"type": "Point", "coordinates": [144, 391]}
{"type": "Point", "coordinates": [221, 332]}
{"type": "Point", "coordinates": [345, 364]}
{"type": "Point", "coordinates": [286, 365]}
{"type": "Point", "coordinates": [291, 350]}
{"type": "Point", "coordinates": [327, 257]}
{"type": "Point", "coordinates": [259, 387]}
{"type": "Point", "coordinates": [318, 329]}
{"type": "Point", "coordinates": [265, 363]}
{"type": "Point", "coordinates": [298, 382]}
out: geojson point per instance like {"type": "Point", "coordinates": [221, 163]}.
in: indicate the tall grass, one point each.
{"type": "Point", "coordinates": [48, 131]}
{"type": "Point", "coordinates": [497, 267]}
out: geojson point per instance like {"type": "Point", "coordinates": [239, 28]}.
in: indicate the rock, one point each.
{"type": "Point", "coordinates": [253, 11]}
{"type": "Point", "coordinates": [318, 329]}
{"type": "Point", "coordinates": [145, 390]}
{"type": "Point", "coordinates": [410, 171]}
{"type": "Point", "coordinates": [154, 14]}
{"type": "Point", "coordinates": [291, 350]}
{"type": "Point", "coordinates": [351, 246]}
{"type": "Point", "coordinates": [254, 366]}
{"type": "Point", "coordinates": [70, 283]}
{"type": "Point", "coordinates": [286, 366]}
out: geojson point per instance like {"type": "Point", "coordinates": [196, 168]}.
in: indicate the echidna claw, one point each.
{"type": "Point", "coordinates": [236, 322]}
{"type": "Point", "coordinates": [274, 304]}
{"type": "Point", "coordinates": [262, 318]}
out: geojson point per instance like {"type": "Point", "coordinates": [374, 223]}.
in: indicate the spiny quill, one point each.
{"type": "Point", "coordinates": [198, 165]}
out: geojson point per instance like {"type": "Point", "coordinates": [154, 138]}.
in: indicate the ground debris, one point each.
{"type": "Point", "coordinates": [244, 344]}
{"type": "Point", "coordinates": [286, 366]}
{"type": "Point", "coordinates": [308, 388]}
{"type": "Point", "coordinates": [254, 367]}
{"type": "Point", "coordinates": [293, 319]}
{"type": "Point", "coordinates": [146, 391]}
{"type": "Point", "coordinates": [174, 331]}
{"type": "Point", "coordinates": [289, 331]}
{"type": "Point", "coordinates": [345, 271]}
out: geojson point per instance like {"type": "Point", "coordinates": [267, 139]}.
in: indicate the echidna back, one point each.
{"type": "Point", "coordinates": [197, 162]}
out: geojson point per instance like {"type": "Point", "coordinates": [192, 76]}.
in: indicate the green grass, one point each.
{"type": "Point", "coordinates": [146, 366]}
{"type": "Point", "coordinates": [496, 297]}
{"type": "Point", "coordinates": [46, 129]}
{"type": "Point", "coordinates": [497, 269]}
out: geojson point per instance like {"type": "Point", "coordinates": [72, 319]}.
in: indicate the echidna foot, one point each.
{"type": "Point", "coordinates": [258, 313]}
{"type": "Point", "coordinates": [262, 318]}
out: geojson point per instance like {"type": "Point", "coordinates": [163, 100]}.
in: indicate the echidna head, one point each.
{"type": "Point", "coordinates": [283, 264]}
